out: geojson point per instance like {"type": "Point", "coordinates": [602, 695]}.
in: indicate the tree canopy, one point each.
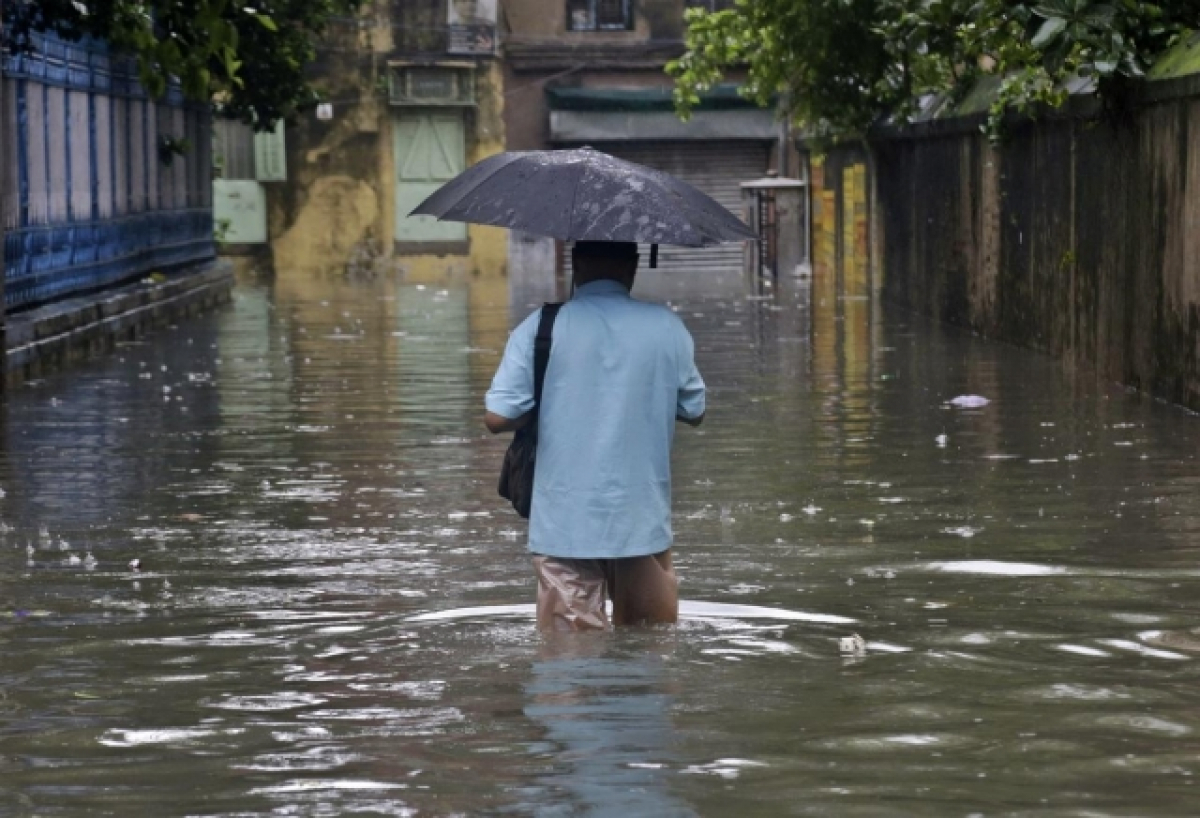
{"type": "Point", "coordinates": [842, 66]}
{"type": "Point", "coordinates": [250, 55]}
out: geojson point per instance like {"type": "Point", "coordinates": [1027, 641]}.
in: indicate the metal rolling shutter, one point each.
{"type": "Point", "coordinates": [718, 169]}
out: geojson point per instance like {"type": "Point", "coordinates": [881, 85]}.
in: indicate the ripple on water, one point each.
{"type": "Point", "coordinates": [688, 609]}
{"type": "Point", "coordinates": [313, 498]}
{"type": "Point", "coordinates": [997, 568]}
{"type": "Point", "coordinates": [269, 702]}
{"type": "Point", "coordinates": [315, 759]}
{"type": "Point", "coordinates": [728, 768]}
{"type": "Point", "coordinates": [311, 785]}
{"type": "Point", "coordinates": [894, 742]}
{"type": "Point", "coordinates": [1137, 722]}
{"type": "Point", "coordinates": [1068, 691]}
{"type": "Point", "coordinates": [172, 736]}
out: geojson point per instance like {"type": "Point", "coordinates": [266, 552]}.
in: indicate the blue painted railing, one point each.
{"type": "Point", "coordinates": [94, 204]}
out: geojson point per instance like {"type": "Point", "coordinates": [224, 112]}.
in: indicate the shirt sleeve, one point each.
{"type": "Point", "coordinates": [511, 395]}
{"type": "Point", "coordinates": [691, 403]}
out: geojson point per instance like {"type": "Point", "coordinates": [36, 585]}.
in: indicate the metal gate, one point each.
{"type": "Point", "coordinates": [104, 183]}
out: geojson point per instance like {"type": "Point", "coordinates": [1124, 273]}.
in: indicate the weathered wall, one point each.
{"type": "Point", "coordinates": [332, 206]}
{"type": "Point", "coordinates": [538, 49]}
{"type": "Point", "coordinates": [337, 211]}
{"type": "Point", "coordinates": [840, 221]}
{"type": "Point", "coordinates": [1077, 238]}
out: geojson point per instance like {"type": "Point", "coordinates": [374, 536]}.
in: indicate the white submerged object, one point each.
{"type": "Point", "coordinates": [969, 401]}
{"type": "Point", "coordinates": [942, 440]}
{"type": "Point", "coordinates": [852, 645]}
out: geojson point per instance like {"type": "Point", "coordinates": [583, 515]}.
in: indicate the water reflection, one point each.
{"type": "Point", "coordinates": [607, 736]}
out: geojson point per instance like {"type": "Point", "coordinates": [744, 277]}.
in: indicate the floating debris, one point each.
{"type": "Point", "coordinates": [969, 401]}
{"type": "Point", "coordinates": [852, 645]}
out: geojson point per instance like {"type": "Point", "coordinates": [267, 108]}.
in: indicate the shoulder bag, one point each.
{"type": "Point", "coordinates": [516, 475]}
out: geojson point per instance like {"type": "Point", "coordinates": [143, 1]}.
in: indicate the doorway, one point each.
{"type": "Point", "coordinates": [430, 150]}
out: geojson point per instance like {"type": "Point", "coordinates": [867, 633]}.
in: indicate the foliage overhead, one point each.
{"type": "Point", "coordinates": [844, 65]}
{"type": "Point", "coordinates": [249, 55]}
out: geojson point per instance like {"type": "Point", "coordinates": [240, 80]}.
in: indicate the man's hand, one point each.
{"type": "Point", "coordinates": [696, 421]}
{"type": "Point", "coordinates": [499, 423]}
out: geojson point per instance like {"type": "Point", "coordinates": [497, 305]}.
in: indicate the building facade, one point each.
{"type": "Point", "coordinates": [413, 93]}
{"type": "Point", "coordinates": [418, 90]}
{"type": "Point", "coordinates": [591, 72]}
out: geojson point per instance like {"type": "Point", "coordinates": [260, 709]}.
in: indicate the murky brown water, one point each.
{"type": "Point", "coordinates": [306, 482]}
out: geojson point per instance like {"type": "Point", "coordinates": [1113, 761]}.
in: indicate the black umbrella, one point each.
{"type": "Point", "coordinates": [583, 194]}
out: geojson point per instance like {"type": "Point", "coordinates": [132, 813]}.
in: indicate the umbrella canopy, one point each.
{"type": "Point", "coordinates": [583, 195]}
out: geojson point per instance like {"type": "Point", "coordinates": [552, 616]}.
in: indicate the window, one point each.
{"type": "Point", "coordinates": [599, 15]}
{"type": "Point", "coordinates": [431, 85]}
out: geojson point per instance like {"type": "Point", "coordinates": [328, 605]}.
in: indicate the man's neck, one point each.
{"type": "Point", "coordinates": [584, 283]}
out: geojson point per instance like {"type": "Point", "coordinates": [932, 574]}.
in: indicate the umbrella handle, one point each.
{"type": "Point", "coordinates": [653, 256]}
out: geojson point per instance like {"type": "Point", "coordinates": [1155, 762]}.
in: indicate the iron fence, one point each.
{"type": "Point", "coordinates": [105, 183]}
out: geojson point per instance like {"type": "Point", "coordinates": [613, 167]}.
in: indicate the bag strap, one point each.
{"type": "Point", "coordinates": [541, 350]}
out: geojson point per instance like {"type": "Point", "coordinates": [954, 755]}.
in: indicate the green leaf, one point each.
{"type": "Point", "coordinates": [267, 22]}
{"type": "Point", "coordinates": [1048, 32]}
{"type": "Point", "coordinates": [1052, 9]}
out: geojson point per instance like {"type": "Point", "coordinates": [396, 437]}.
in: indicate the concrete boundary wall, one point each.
{"type": "Point", "coordinates": [1075, 237]}
{"type": "Point", "coordinates": [49, 338]}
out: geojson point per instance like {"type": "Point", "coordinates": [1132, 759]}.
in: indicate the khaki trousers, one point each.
{"type": "Point", "coordinates": [571, 592]}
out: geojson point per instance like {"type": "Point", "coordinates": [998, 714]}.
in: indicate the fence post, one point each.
{"type": "Point", "coordinates": [5, 172]}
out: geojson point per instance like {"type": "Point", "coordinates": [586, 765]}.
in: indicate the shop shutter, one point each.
{"type": "Point", "coordinates": [716, 168]}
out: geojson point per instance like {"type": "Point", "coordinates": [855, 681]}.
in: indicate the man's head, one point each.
{"type": "Point", "coordinates": [613, 260]}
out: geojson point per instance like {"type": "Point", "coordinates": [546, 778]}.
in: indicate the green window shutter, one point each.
{"type": "Point", "coordinates": [270, 155]}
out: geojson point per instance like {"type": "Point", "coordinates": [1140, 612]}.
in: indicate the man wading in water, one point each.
{"type": "Point", "coordinates": [621, 373]}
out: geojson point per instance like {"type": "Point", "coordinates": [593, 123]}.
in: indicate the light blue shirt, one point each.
{"type": "Point", "coordinates": [620, 371]}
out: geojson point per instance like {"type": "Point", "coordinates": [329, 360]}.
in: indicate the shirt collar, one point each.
{"type": "Point", "coordinates": [603, 286]}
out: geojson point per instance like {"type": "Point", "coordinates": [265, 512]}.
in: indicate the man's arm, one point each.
{"type": "Point", "coordinates": [509, 402]}
{"type": "Point", "coordinates": [690, 404]}
{"type": "Point", "coordinates": [499, 423]}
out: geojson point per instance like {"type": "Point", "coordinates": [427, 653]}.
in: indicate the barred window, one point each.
{"type": "Point", "coordinates": [610, 13]}
{"type": "Point", "coordinates": [599, 15]}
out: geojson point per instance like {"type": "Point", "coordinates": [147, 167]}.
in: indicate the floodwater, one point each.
{"type": "Point", "coordinates": [332, 613]}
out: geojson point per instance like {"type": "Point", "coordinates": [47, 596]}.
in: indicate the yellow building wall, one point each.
{"type": "Point", "coordinates": [336, 213]}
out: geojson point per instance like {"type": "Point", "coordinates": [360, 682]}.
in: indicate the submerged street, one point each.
{"type": "Point", "coordinates": [332, 609]}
